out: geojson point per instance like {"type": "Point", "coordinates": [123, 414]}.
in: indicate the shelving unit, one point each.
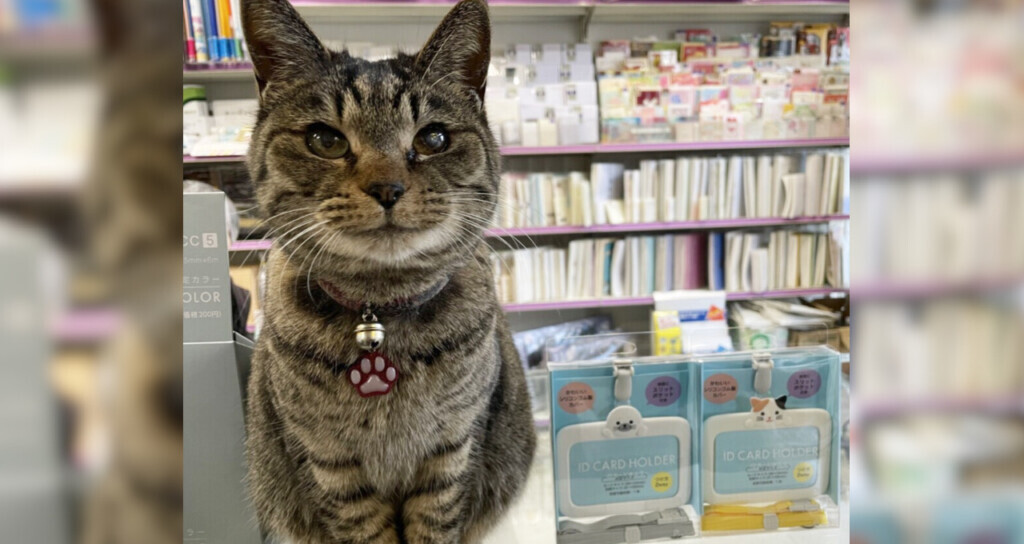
{"type": "Point", "coordinates": [649, 301]}
{"type": "Point", "coordinates": [264, 244]}
{"type": "Point", "coordinates": [548, 21]}
{"type": "Point", "coordinates": [606, 149]}
{"type": "Point", "coordinates": [928, 289]}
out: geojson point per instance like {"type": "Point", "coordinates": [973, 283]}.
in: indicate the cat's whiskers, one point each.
{"type": "Point", "coordinates": [271, 232]}
{"type": "Point", "coordinates": [302, 234]}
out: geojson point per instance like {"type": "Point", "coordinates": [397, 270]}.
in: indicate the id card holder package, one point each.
{"type": "Point", "coordinates": [769, 439]}
{"type": "Point", "coordinates": [623, 450]}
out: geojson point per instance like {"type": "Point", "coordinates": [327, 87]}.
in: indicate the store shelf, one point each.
{"type": "Point", "coordinates": [324, 11]}
{"type": "Point", "coordinates": [261, 245]}
{"type": "Point", "coordinates": [649, 301]}
{"type": "Point", "coordinates": [1000, 404]}
{"type": "Point", "coordinates": [603, 149]}
{"type": "Point", "coordinates": [217, 71]}
{"type": "Point", "coordinates": [642, 12]}
{"type": "Point", "coordinates": [61, 43]}
{"type": "Point", "coordinates": [223, 159]}
{"type": "Point", "coordinates": [86, 326]}
{"type": "Point", "coordinates": [931, 162]}
{"type": "Point", "coordinates": [251, 245]}
{"type": "Point", "coordinates": [924, 289]}
{"type": "Point", "coordinates": [662, 227]}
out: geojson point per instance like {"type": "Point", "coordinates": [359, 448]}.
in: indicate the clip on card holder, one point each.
{"type": "Point", "coordinates": [625, 464]}
{"type": "Point", "coordinates": [769, 453]}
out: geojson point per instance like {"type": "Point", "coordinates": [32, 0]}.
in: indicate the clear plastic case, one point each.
{"type": "Point", "coordinates": [650, 445]}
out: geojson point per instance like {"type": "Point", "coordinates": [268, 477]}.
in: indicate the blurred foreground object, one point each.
{"type": "Point", "coordinates": [938, 268]}
{"type": "Point", "coordinates": [134, 215]}
{"type": "Point", "coordinates": [34, 492]}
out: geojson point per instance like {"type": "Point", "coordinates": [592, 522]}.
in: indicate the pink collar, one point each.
{"type": "Point", "coordinates": [397, 306]}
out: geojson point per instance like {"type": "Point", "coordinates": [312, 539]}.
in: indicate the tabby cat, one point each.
{"type": "Point", "coordinates": [378, 178]}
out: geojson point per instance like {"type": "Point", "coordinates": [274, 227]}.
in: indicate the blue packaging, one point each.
{"type": "Point", "coordinates": [624, 456]}
{"type": "Point", "coordinates": [770, 426]}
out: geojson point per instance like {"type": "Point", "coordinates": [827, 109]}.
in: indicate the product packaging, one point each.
{"type": "Point", "coordinates": [770, 439]}
{"type": "Point", "coordinates": [623, 439]}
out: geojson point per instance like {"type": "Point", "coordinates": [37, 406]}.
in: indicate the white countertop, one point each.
{"type": "Point", "coordinates": [532, 517]}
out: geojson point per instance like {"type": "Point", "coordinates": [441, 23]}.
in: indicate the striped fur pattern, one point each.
{"type": "Point", "coordinates": [439, 458]}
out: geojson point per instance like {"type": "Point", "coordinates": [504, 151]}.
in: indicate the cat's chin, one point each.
{"type": "Point", "coordinates": [387, 245]}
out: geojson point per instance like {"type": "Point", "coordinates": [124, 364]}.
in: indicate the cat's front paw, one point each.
{"type": "Point", "coordinates": [373, 375]}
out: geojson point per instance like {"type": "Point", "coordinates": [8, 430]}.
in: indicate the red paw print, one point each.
{"type": "Point", "coordinates": [372, 375]}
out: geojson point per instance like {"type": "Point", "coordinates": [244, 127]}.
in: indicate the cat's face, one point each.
{"type": "Point", "coordinates": [383, 162]}
{"type": "Point", "coordinates": [768, 410]}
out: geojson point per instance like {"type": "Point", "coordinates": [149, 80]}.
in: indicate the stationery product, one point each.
{"type": "Point", "coordinates": [622, 445]}
{"type": "Point", "coordinates": [770, 435]}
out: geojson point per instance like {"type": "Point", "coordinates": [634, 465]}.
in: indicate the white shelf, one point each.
{"type": "Point", "coordinates": [409, 12]}
{"type": "Point", "coordinates": [703, 12]}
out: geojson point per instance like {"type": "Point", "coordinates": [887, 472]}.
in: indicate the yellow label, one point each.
{"type": "Point", "coordinates": [803, 472]}
{"type": "Point", "coordinates": [661, 482]}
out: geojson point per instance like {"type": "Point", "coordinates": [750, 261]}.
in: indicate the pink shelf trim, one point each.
{"type": "Point", "coordinates": [924, 288]}
{"type": "Point", "coordinates": [264, 244]}
{"type": "Point", "coordinates": [648, 301]}
{"type": "Point", "coordinates": [86, 325]}
{"type": "Point", "coordinates": [252, 245]}
{"type": "Point", "coordinates": [670, 226]}
{"type": "Point", "coordinates": [616, 148]}
{"type": "Point", "coordinates": [999, 404]}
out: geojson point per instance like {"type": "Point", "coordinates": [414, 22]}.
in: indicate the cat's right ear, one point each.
{"type": "Point", "coordinates": [281, 44]}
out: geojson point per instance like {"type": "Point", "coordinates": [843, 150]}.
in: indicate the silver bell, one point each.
{"type": "Point", "coordinates": [369, 336]}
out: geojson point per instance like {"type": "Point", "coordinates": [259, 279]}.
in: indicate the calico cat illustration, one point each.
{"type": "Point", "coordinates": [768, 410]}
{"type": "Point", "coordinates": [378, 179]}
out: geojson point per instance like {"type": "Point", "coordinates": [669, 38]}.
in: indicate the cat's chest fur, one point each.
{"type": "Point", "coordinates": [446, 365]}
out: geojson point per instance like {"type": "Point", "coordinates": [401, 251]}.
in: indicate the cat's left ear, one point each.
{"type": "Point", "coordinates": [781, 402]}
{"type": "Point", "coordinates": [461, 45]}
{"type": "Point", "coordinates": [281, 44]}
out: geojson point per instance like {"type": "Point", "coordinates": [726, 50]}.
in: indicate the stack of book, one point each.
{"type": "Point", "coordinates": [213, 31]}
{"type": "Point", "coordinates": [640, 265]}
{"type": "Point", "coordinates": [683, 189]}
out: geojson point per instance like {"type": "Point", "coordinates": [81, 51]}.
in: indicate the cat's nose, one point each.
{"type": "Point", "coordinates": [386, 193]}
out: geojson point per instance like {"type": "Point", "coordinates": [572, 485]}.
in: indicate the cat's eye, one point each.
{"type": "Point", "coordinates": [326, 142]}
{"type": "Point", "coordinates": [776, 412]}
{"type": "Point", "coordinates": [762, 413]}
{"type": "Point", "coordinates": [432, 139]}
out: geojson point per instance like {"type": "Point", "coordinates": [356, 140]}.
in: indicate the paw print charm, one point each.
{"type": "Point", "coordinates": [372, 375]}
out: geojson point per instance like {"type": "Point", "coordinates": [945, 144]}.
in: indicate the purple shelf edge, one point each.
{"type": "Point", "coordinates": [923, 288]}
{"type": "Point", "coordinates": [499, 232]}
{"type": "Point", "coordinates": [584, 3]}
{"type": "Point", "coordinates": [1002, 404]}
{"type": "Point", "coordinates": [251, 245]}
{"type": "Point", "coordinates": [238, 66]}
{"type": "Point", "coordinates": [264, 244]}
{"type": "Point", "coordinates": [645, 301]}
{"type": "Point", "coordinates": [86, 325]}
{"type": "Point", "coordinates": [671, 146]}
{"type": "Point", "coordinates": [616, 148]}
{"type": "Point", "coordinates": [881, 165]}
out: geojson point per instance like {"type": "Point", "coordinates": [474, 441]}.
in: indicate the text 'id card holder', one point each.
{"type": "Point", "coordinates": [625, 464]}
{"type": "Point", "coordinates": [767, 454]}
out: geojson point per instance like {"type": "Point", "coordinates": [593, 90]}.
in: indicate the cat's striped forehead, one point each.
{"type": "Point", "coordinates": [380, 102]}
